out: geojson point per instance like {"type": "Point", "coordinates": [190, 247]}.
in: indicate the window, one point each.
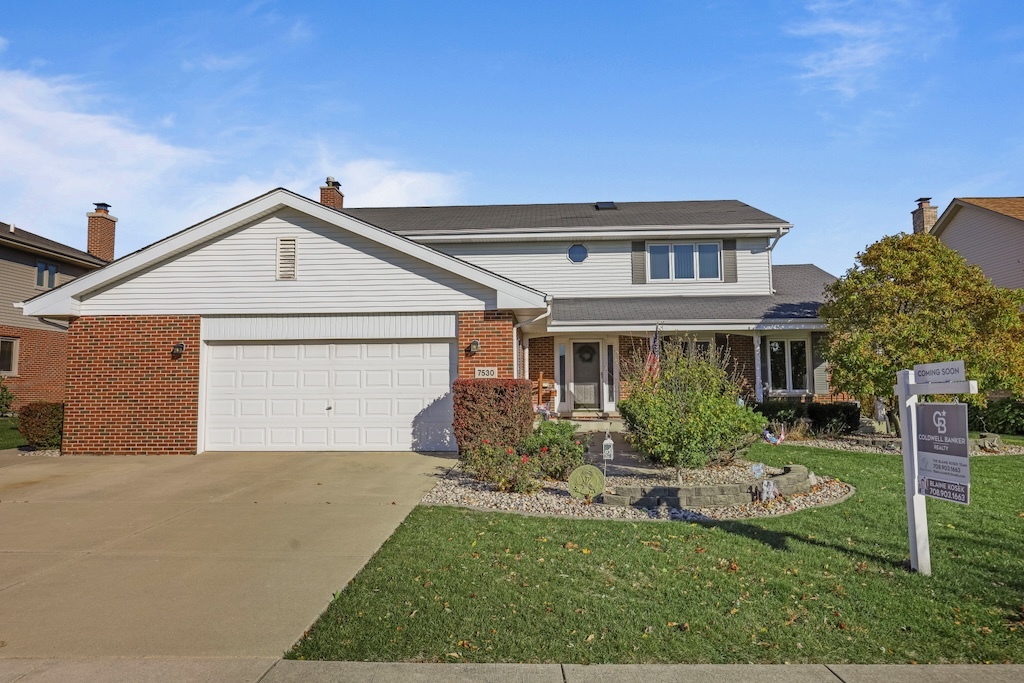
{"type": "Point", "coordinates": [685, 261]}
{"type": "Point", "coordinates": [46, 275]}
{"type": "Point", "coordinates": [577, 253]}
{"type": "Point", "coordinates": [8, 356]}
{"type": "Point", "coordinates": [787, 365]}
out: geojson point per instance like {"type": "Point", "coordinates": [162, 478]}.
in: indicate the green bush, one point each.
{"type": "Point", "coordinates": [834, 418]}
{"type": "Point", "coordinates": [42, 424]}
{"type": "Point", "coordinates": [557, 448]}
{"type": "Point", "coordinates": [691, 413]}
{"type": "Point", "coordinates": [1002, 416]}
{"type": "Point", "coordinates": [6, 398]}
{"type": "Point", "coordinates": [499, 411]}
{"type": "Point", "coordinates": [502, 466]}
{"type": "Point", "coordinates": [781, 411]}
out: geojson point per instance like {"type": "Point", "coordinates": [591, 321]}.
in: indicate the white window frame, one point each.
{"type": "Point", "coordinates": [13, 372]}
{"type": "Point", "coordinates": [696, 261]}
{"type": "Point", "coordinates": [787, 341]}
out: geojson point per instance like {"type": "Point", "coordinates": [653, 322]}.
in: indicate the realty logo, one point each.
{"type": "Point", "coordinates": [939, 419]}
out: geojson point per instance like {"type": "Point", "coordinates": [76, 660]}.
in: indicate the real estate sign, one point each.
{"type": "Point", "coordinates": [943, 464]}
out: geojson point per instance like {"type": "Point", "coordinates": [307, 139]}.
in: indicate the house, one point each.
{"type": "Point", "coordinates": [32, 350]}
{"type": "Point", "coordinates": [289, 324]}
{"type": "Point", "coordinates": [987, 231]}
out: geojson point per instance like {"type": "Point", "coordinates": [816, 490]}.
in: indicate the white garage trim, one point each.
{"type": "Point", "coordinates": [310, 327]}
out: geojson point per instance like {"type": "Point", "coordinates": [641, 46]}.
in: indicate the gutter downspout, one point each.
{"type": "Point", "coordinates": [771, 247]}
{"type": "Point", "coordinates": [515, 339]}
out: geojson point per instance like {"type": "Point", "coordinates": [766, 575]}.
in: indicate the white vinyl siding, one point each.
{"type": "Point", "coordinates": [607, 270]}
{"type": "Point", "coordinates": [336, 271]}
{"type": "Point", "coordinates": [309, 327]}
{"type": "Point", "coordinates": [990, 240]}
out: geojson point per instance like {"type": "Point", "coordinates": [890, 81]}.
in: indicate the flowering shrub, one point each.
{"type": "Point", "coordinates": [689, 414]}
{"type": "Point", "coordinates": [557, 448]}
{"type": "Point", "coordinates": [502, 466]}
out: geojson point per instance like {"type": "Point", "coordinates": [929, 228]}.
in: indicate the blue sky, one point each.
{"type": "Point", "coordinates": [832, 114]}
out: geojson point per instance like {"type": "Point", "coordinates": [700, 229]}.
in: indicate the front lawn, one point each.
{"type": "Point", "coordinates": [822, 585]}
{"type": "Point", "coordinates": [10, 437]}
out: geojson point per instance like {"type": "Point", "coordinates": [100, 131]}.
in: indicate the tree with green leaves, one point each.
{"type": "Point", "coordinates": [910, 299]}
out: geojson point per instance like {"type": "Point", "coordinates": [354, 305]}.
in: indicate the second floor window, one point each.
{"type": "Point", "coordinates": [46, 275]}
{"type": "Point", "coordinates": [685, 261]}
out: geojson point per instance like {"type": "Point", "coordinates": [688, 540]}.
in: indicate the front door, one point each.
{"type": "Point", "coordinates": [586, 375]}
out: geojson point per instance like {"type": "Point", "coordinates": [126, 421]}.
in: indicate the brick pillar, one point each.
{"type": "Point", "coordinates": [493, 329]}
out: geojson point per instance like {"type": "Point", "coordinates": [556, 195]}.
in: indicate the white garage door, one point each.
{"type": "Point", "coordinates": [372, 396]}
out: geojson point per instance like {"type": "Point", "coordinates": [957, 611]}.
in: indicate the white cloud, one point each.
{"type": "Point", "coordinates": [856, 41]}
{"type": "Point", "coordinates": [62, 154]}
{"type": "Point", "coordinates": [372, 182]}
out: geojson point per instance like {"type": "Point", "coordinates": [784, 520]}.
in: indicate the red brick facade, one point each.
{"type": "Point", "coordinates": [126, 394]}
{"type": "Point", "coordinates": [101, 234]}
{"type": "Point", "coordinates": [741, 359]}
{"type": "Point", "coordinates": [40, 365]}
{"type": "Point", "coordinates": [542, 358]}
{"type": "Point", "coordinates": [493, 329]}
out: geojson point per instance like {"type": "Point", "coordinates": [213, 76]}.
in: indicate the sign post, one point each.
{"type": "Point", "coordinates": [932, 378]}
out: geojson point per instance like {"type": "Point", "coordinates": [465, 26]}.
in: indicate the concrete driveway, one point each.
{"type": "Point", "coordinates": [216, 555]}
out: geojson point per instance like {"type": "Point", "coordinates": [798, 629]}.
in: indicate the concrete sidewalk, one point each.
{"type": "Point", "coordinates": [264, 670]}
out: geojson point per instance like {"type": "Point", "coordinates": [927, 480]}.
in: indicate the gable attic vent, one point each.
{"type": "Point", "coordinates": [285, 258]}
{"type": "Point", "coordinates": [605, 206]}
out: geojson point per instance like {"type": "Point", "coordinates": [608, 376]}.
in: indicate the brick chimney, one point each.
{"type": "Point", "coordinates": [925, 215]}
{"type": "Point", "coordinates": [330, 194]}
{"type": "Point", "coordinates": [101, 232]}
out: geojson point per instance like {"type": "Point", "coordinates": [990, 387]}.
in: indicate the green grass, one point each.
{"type": "Point", "coordinates": [822, 585]}
{"type": "Point", "coordinates": [10, 437]}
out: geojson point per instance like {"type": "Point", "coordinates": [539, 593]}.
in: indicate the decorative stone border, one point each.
{"type": "Point", "coordinates": [794, 479]}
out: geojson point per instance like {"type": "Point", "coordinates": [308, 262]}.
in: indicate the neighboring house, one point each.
{"type": "Point", "coordinates": [987, 231]}
{"type": "Point", "coordinates": [32, 350]}
{"type": "Point", "coordinates": [286, 324]}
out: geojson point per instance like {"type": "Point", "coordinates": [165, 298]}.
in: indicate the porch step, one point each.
{"type": "Point", "coordinates": [598, 422]}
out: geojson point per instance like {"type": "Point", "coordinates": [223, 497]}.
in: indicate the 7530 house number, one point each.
{"type": "Point", "coordinates": [486, 373]}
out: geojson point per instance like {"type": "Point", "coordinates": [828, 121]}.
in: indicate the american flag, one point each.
{"type": "Point", "coordinates": [652, 368]}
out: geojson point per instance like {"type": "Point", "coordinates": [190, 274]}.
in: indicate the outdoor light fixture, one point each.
{"type": "Point", "coordinates": [177, 350]}
{"type": "Point", "coordinates": [474, 346]}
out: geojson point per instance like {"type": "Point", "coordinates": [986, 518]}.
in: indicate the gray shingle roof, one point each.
{"type": "Point", "coordinates": [535, 217]}
{"type": "Point", "coordinates": [799, 292]}
{"type": "Point", "coordinates": [18, 237]}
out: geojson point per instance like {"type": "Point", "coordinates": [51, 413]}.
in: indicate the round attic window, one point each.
{"type": "Point", "coordinates": [577, 253]}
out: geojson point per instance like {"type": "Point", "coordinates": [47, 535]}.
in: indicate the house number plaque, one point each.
{"type": "Point", "coordinates": [486, 373]}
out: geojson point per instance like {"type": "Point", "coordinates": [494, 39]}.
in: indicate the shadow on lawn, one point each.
{"type": "Point", "coordinates": [1009, 587]}
{"type": "Point", "coordinates": [780, 540]}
